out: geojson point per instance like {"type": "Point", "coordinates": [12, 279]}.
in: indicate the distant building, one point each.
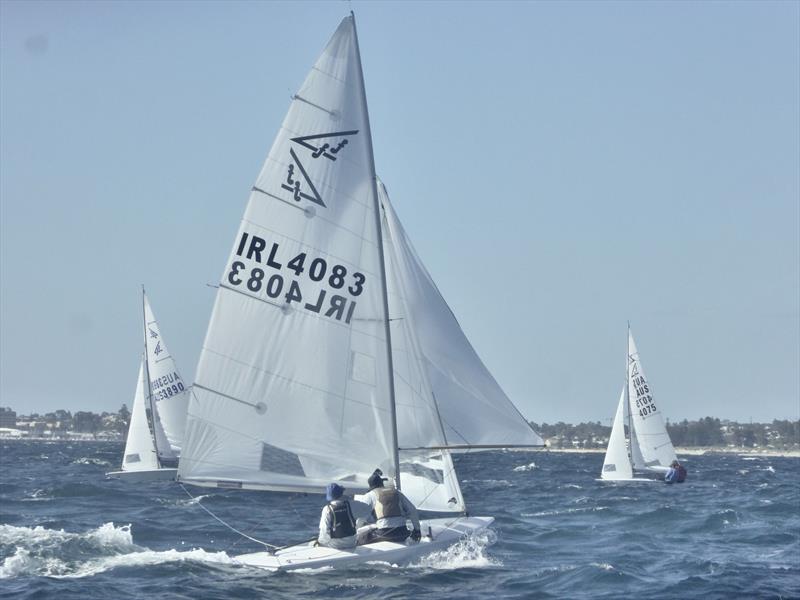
{"type": "Point", "coordinates": [8, 418]}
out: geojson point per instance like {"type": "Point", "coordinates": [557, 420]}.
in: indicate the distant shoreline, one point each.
{"type": "Point", "coordinates": [680, 451]}
{"type": "Point", "coordinates": [692, 451]}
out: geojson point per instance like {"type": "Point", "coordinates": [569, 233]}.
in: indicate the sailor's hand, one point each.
{"type": "Point", "coordinates": [416, 535]}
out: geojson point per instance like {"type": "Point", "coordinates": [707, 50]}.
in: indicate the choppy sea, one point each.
{"type": "Point", "coordinates": [732, 530]}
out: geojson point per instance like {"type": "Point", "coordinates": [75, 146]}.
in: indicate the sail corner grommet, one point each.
{"type": "Point", "coordinates": [261, 408]}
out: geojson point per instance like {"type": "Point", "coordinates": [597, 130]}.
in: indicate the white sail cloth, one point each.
{"type": "Point", "coordinates": [652, 442]}
{"type": "Point", "coordinates": [474, 410]}
{"type": "Point", "coordinates": [140, 452]}
{"type": "Point", "coordinates": [170, 394]}
{"type": "Point", "coordinates": [292, 384]}
{"type": "Point", "coordinates": [617, 463]}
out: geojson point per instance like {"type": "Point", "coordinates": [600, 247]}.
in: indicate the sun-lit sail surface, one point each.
{"type": "Point", "coordinates": [474, 410]}
{"type": "Point", "coordinates": [170, 392]}
{"type": "Point", "coordinates": [648, 424]}
{"type": "Point", "coordinates": [140, 451]}
{"type": "Point", "coordinates": [617, 463]}
{"type": "Point", "coordinates": [292, 386]}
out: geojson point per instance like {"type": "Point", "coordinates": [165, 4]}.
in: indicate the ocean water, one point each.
{"type": "Point", "coordinates": [733, 530]}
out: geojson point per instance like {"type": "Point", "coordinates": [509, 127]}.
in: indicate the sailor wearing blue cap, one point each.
{"type": "Point", "coordinates": [337, 524]}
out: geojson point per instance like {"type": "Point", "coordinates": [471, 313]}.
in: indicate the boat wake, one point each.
{"type": "Point", "coordinates": [59, 554]}
{"type": "Point", "coordinates": [471, 552]}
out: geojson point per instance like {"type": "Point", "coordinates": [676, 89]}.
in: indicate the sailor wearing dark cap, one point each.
{"type": "Point", "coordinates": [337, 525]}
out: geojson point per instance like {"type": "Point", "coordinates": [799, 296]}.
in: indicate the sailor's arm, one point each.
{"type": "Point", "coordinates": [367, 500]}
{"type": "Point", "coordinates": [324, 527]}
{"type": "Point", "coordinates": [410, 511]}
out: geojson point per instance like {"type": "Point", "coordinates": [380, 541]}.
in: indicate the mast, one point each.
{"type": "Point", "coordinates": [149, 391]}
{"type": "Point", "coordinates": [377, 209]}
{"type": "Point", "coordinates": [628, 393]}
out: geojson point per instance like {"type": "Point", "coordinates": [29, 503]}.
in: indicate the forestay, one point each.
{"type": "Point", "coordinates": [649, 435]}
{"type": "Point", "coordinates": [169, 392]}
{"type": "Point", "coordinates": [474, 410]}
{"type": "Point", "coordinates": [617, 463]}
{"type": "Point", "coordinates": [292, 386]}
{"type": "Point", "coordinates": [140, 452]}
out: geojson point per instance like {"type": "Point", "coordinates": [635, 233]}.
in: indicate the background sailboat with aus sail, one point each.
{"type": "Point", "coordinates": [330, 352]}
{"type": "Point", "coordinates": [648, 450]}
{"type": "Point", "coordinates": [158, 413]}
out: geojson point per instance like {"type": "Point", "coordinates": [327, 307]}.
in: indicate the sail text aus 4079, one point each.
{"type": "Point", "coordinates": [256, 279]}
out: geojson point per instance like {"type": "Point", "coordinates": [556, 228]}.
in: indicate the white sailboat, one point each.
{"type": "Point", "coordinates": [648, 451]}
{"type": "Point", "coordinates": [152, 447]}
{"type": "Point", "coordinates": [330, 352]}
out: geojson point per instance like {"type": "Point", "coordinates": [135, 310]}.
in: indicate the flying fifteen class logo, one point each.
{"type": "Point", "coordinates": [322, 146]}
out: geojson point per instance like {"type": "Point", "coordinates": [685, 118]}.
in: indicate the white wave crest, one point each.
{"type": "Point", "coordinates": [468, 553]}
{"type": "Point", "coordinates": [91, 461]}
{"type": "Point", "coordinates": [45, 552]}
{"type": "Point", "coordinates": [523, 468]}
{"type": "Point", "coordinates": [552, 513]}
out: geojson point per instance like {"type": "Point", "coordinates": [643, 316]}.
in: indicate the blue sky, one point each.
{"type": "Point", "coordinates": [561, 168]}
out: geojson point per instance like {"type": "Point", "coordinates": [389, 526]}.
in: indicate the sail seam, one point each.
{"type": "Point", "coordinates": [304, 314]}
{"type": "Point", "coordinates": [266, 193]}
{"type": "Point", "coordinates": [286, 379]}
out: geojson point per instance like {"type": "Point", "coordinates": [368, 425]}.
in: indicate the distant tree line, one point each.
{"type": "Point", "coordinates": [705, 432]}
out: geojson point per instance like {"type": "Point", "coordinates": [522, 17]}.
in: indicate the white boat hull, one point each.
{"type": "Point", "coordinates": [636, 479]}
{"type": "Point", "coordinates": [444, 533]}
{"type": "Point", "coordinates": [145, 475]}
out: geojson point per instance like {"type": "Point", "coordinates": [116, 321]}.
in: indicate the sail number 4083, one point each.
{"type": "Point", "coordinates": [275, 285]}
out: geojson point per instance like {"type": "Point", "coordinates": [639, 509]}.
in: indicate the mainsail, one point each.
{"type": "Point", "coordinates": [292, 387]}
{"type": "Point", "coordinates": [649, 431]}
{"type": "Point", "coordinates": [170, 394]}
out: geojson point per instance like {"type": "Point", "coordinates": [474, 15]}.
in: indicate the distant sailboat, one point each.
{"type": "Point", "coordinates": [330, 352]}
{"type": "Point", "coordinates": [158, 414]}
{"type": "Point", "coordinates": [648, 449]}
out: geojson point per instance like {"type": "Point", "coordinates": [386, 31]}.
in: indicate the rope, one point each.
{"type": "Point", "coordinates": [244, 535]}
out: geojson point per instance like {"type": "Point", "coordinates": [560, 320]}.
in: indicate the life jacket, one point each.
{"type": "Point", "coordinates": [342, 522]}
{"type": "Point", "coordinates": [388, 504]}
{"type": "Point", "coordinates": [681, 474]}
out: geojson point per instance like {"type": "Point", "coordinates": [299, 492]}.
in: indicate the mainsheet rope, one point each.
{"type": "Point", "coordinates": [244, 535]}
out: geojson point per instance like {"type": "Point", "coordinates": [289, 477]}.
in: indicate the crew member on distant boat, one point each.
{"type": "Point", "coordinates": [337, 525]}
{"type": "Point", "coordinates": [391, 510]}
{"type": "Point", "coordinates": [676, 473]}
